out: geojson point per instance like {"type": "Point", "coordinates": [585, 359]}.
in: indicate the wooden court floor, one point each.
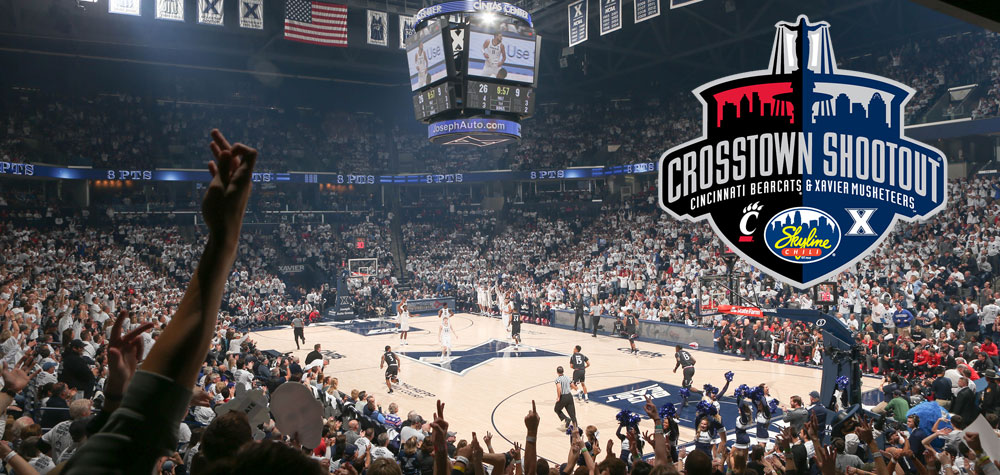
{"type": "Point", "coordinates": [487, 385]}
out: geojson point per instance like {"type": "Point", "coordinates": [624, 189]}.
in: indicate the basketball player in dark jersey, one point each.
{"type": "Point", "coordinates": [579, 362]}
{"type": "Point", "coordinates": [392, 372]}
{"type": "Point", "coordinates": [632, 330]}
{"type": "Point", "coordinates": [515, 329]}
{"type": "Point", "coordinates": [685, 360]}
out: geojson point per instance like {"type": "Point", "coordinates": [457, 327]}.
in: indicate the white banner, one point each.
{"type": "Point", "coordinates": [125, 7]}
{"type": "Point", "coordinates": [577, 22]}
{"type": "Point", "coordinates": [611, 16]}
{"type": "Point", "coordinates": [682, 3]}
{"type": "Point", "coordinates": [378, 28]}
{"type": "Point", "coordinates": [405, 29]}
{"type": "Point", "coordinates": [170, 10]}
{"type": "Point", "coordinates": [210, 12]}
{"type": "Point", "coordinates": [252, 14]}
{"type": "Point", "coordinates": [646, 9]}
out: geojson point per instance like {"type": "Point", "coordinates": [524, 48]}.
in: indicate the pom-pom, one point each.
{"type": "Point", "coordinates": [628, 418]}
{"type": "Point", "coordinates": [729, 375]}
{"type": "Point", "coordinates": [707, 408]}
{"type": "Point", "coordinates": [623, 416]}
{"type": "Point", "coordinates": [773, 406]}
{"type": "Point", "coordinates": [685, 393]}
{"type": "Point", "coordinates": [667, 411]}
{"type": "Point", "coordinates": [634, 419]}
{"type": "Point", "coordinates": [709, 389]}
{"type": "Point", "coordinates": [842, 382]}
{"type": "Point", "coordinates": [742, 391]}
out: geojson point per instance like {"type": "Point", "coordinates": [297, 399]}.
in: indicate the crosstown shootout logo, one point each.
{"type": "Point", "coordinates": [803, 169]}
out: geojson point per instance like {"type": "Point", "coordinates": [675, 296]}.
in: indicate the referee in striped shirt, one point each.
{"type": "Point", "coordinates": [564, 399]}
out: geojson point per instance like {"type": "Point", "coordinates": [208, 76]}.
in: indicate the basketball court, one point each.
{"type": "Point", "coordinates": [487, 384]}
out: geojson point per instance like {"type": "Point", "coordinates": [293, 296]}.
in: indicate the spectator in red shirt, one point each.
{"type": "Point", "coordinates": [920, 358]}
{"type": "Point", "coordinates": [989, 348]}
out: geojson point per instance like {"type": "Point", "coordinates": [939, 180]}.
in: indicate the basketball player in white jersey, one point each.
{"type": "Point", "coordinates": [421, 60]}
{"type": "Point", "coordinates": [444, 312]}
{"type": "Point", "coordinates": [505, 312]}
{"type": "Point", "coordinates": [404, 320]}
{"type": "Point", "coordinates": [481, 298]}
{"type": "Point", "coordinates": [445, 334]}
{"type": "Point", "coordinates": [495, 54]}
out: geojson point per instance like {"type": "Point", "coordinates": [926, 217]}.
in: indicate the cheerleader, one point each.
{"type": "Point", "coordinates": [763, 418]}
{"type": "Point", "coordinates": [672, 433]}
{"type": "Point", "coordinates": [711, 434]}
{"type": "Point", "coordinates": [743, 425]}
{"type": "Point", "coordinates": [632, 433]}
{"type": "Point", "coordinates": [712, 394]}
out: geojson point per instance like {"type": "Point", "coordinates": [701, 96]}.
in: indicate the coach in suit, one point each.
{"type": "Point", "coordinates": [578, 318]}
{"type": "Point", "coordinates": [796, 416]}
{"type": "Point", "coordinates": [965, 402]}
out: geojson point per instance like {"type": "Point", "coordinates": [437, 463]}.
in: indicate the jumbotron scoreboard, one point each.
{"type": "Point", "coordinates": [473, 71]}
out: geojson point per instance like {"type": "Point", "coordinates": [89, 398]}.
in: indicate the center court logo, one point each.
{"type": "Point", "coordinates": [803, 169]}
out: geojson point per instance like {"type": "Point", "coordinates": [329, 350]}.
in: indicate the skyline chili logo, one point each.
{"type": "Point", "coordinates": [802, 169]}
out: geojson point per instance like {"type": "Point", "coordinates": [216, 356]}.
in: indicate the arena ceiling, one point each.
{"type": "Point", "coordinates": [679, 49]}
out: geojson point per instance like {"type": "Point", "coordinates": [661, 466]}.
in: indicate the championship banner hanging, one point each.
{"type": "Point", "coordinates": [210, 12]}
{"type": "Point", "coordinates": [611, 16]}
{"type": "Point", "coordinates": [803, 169]}
{"type": "Point", "coordinates": [125, 7]}
{"type": "Point", "coordinates": [646, 9]}
{"type": "Point", "coordinates": [252, 14]}
{"type": "Point", "coordinates": [682, 3]}
{"type": "Point", "coordinates": [406, 29]}
{"type": "Point", "coordinates": [577, 12]}
{"type": "Point", "coordinates": [378, 27]}
{"type": "Point", "coordinates": [170, 10]}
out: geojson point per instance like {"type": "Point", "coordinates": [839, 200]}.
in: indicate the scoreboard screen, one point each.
{"type": "Point", "coordinates": [433, 100]}
{"type": "Point", "coordinates": [500, 97]}
{"type": "Point", "coordinates": [426, 56]}
{"type": "Point", "coordinates": [504, 52]}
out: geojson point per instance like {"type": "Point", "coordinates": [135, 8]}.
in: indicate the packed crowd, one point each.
{"type": "Point", "coordinates": [82, 307]}
{"type": "Point", "coordinates": [131, 131]}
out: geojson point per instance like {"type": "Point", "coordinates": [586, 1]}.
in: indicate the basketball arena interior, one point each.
{"type": "Point", "coordinates": [533, 237]}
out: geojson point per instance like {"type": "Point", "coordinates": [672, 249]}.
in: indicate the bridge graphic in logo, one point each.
{"type": "Point", "coordinates": [803, 169]}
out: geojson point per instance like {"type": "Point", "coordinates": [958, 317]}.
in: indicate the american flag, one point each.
{"type": "Point", "coordinates": [316, 22]}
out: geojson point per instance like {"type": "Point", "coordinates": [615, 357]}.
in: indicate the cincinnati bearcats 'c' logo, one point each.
{"type": "Point", "coordinates": [793, 155]}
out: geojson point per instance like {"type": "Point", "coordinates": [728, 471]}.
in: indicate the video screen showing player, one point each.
{"type": "Point", "coordinates": [425, 56]}
{"type": "Point", "coordinates": [503, 52]}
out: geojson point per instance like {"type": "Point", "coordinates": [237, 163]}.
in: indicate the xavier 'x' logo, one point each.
{"type": "Point", "coordinates": [463, 361]}
{"type": "Point", "coordinates": [211, 6]}
{"type": "Point", "coordinates": [861, 226]}
{"type": "Point", "coordinates": [579, 9]}
{"type": "Point", "coordinates": [251, 10]}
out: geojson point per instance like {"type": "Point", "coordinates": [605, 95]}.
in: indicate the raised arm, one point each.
{"type": "Point", "coordinates": [182, 346]}
{"type": "Point", "coordinates": [659, 441]}
{"type": "Point", "coordinates": [439, 434]}
{"type": "Point", "coordinates": [531, 424]}
{"type": "Point", "coordinates": [158, 396]}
